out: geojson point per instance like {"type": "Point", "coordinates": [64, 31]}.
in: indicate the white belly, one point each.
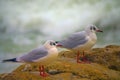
{"type": "Point", "coordinates": [52, 56]}
{"type": "Point", "coordinates": [88, 45]}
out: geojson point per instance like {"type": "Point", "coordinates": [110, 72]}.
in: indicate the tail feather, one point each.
{"type": "Point", "coordinates": [10, 60]}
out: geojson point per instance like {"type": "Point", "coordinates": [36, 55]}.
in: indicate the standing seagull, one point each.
{"type": "Point", "coordinates": [44, 55]}
{"type": "Point", "coordinates": [80, 41]}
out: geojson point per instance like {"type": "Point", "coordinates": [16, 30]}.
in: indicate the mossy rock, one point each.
{"type": "Point", "coordinates": [108, 56]}
{"type": "Point", "coordinates": [105, 65]}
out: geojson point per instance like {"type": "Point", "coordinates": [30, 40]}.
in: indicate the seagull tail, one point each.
{"type": "Point", "coordinates": [10, 60]}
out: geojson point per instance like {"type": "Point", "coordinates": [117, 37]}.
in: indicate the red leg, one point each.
{"type": "Point", "coordinates": [84, 59]}
{"type": "Point", "coordinates": [78, 57]}
{"type": "Point", "coordinates": [42, 71]}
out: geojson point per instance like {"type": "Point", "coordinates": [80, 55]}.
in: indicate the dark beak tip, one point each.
{"type": "Point", "coordinates": [99, 31]}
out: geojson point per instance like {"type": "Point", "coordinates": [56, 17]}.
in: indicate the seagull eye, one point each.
{"type": "Point", "coordinates": [94, 28]}
{"type": "Point", "coordinates": [54, 44]}
{"type": "Point", "coordinates": [51, 43]}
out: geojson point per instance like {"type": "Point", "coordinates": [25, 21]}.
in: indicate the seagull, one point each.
{"type": "Point", "coordinates": [44, 54]}
{"type": "Point", "coordinates": [80, 41]}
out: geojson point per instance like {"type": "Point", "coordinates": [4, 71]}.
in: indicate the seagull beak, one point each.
{"type": "Point", "coordinates": [99, 30]}
{"type": "Point", "coordinates": [58, 45]}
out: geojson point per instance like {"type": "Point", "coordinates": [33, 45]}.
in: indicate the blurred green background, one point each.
{"type": "Point", "coordinates": [26, 24]}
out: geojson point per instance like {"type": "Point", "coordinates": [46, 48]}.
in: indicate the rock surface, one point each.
{"type": "Point", "coordinates": [105, 65]}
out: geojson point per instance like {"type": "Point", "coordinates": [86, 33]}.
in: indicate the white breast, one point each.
{"type": "Point", "coordinates": [52, 56]}
{"type": "Point", "coordinates": [92, 38]}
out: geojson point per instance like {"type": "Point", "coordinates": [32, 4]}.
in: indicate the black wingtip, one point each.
{"type": "Point", "coordinates": [9, 60]}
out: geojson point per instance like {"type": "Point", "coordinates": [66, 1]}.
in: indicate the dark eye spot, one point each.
{"type": "Point", "coordinates": [51, 43]}
{"type": "Point", "coordinates": [90, 28]}
{"type": "Point", "coordinates": [54, 44]}
{"type": "Point", "coordinates": [94, 28]}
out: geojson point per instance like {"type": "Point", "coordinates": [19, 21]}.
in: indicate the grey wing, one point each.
{"type": "Point", "coordinates": [74, 40]}
{"type": "Point", "coordinates": [34, 54]}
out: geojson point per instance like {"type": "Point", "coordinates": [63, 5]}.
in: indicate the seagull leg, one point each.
{"type": "Point", "coordinates": [42, 71]}
{"type": "Point", "coordinates": [84, 59]}
{"type": "Point", "coordinates": [78, 57]}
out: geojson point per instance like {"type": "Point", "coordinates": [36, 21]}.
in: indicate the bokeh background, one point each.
{"type": "Point", "coordinates": [26, 24]}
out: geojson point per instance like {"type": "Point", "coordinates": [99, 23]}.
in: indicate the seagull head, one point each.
{"type": "Point", "coordinates": [92, 28]}
{"type": "Point", "coordinates": [50, 44]}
